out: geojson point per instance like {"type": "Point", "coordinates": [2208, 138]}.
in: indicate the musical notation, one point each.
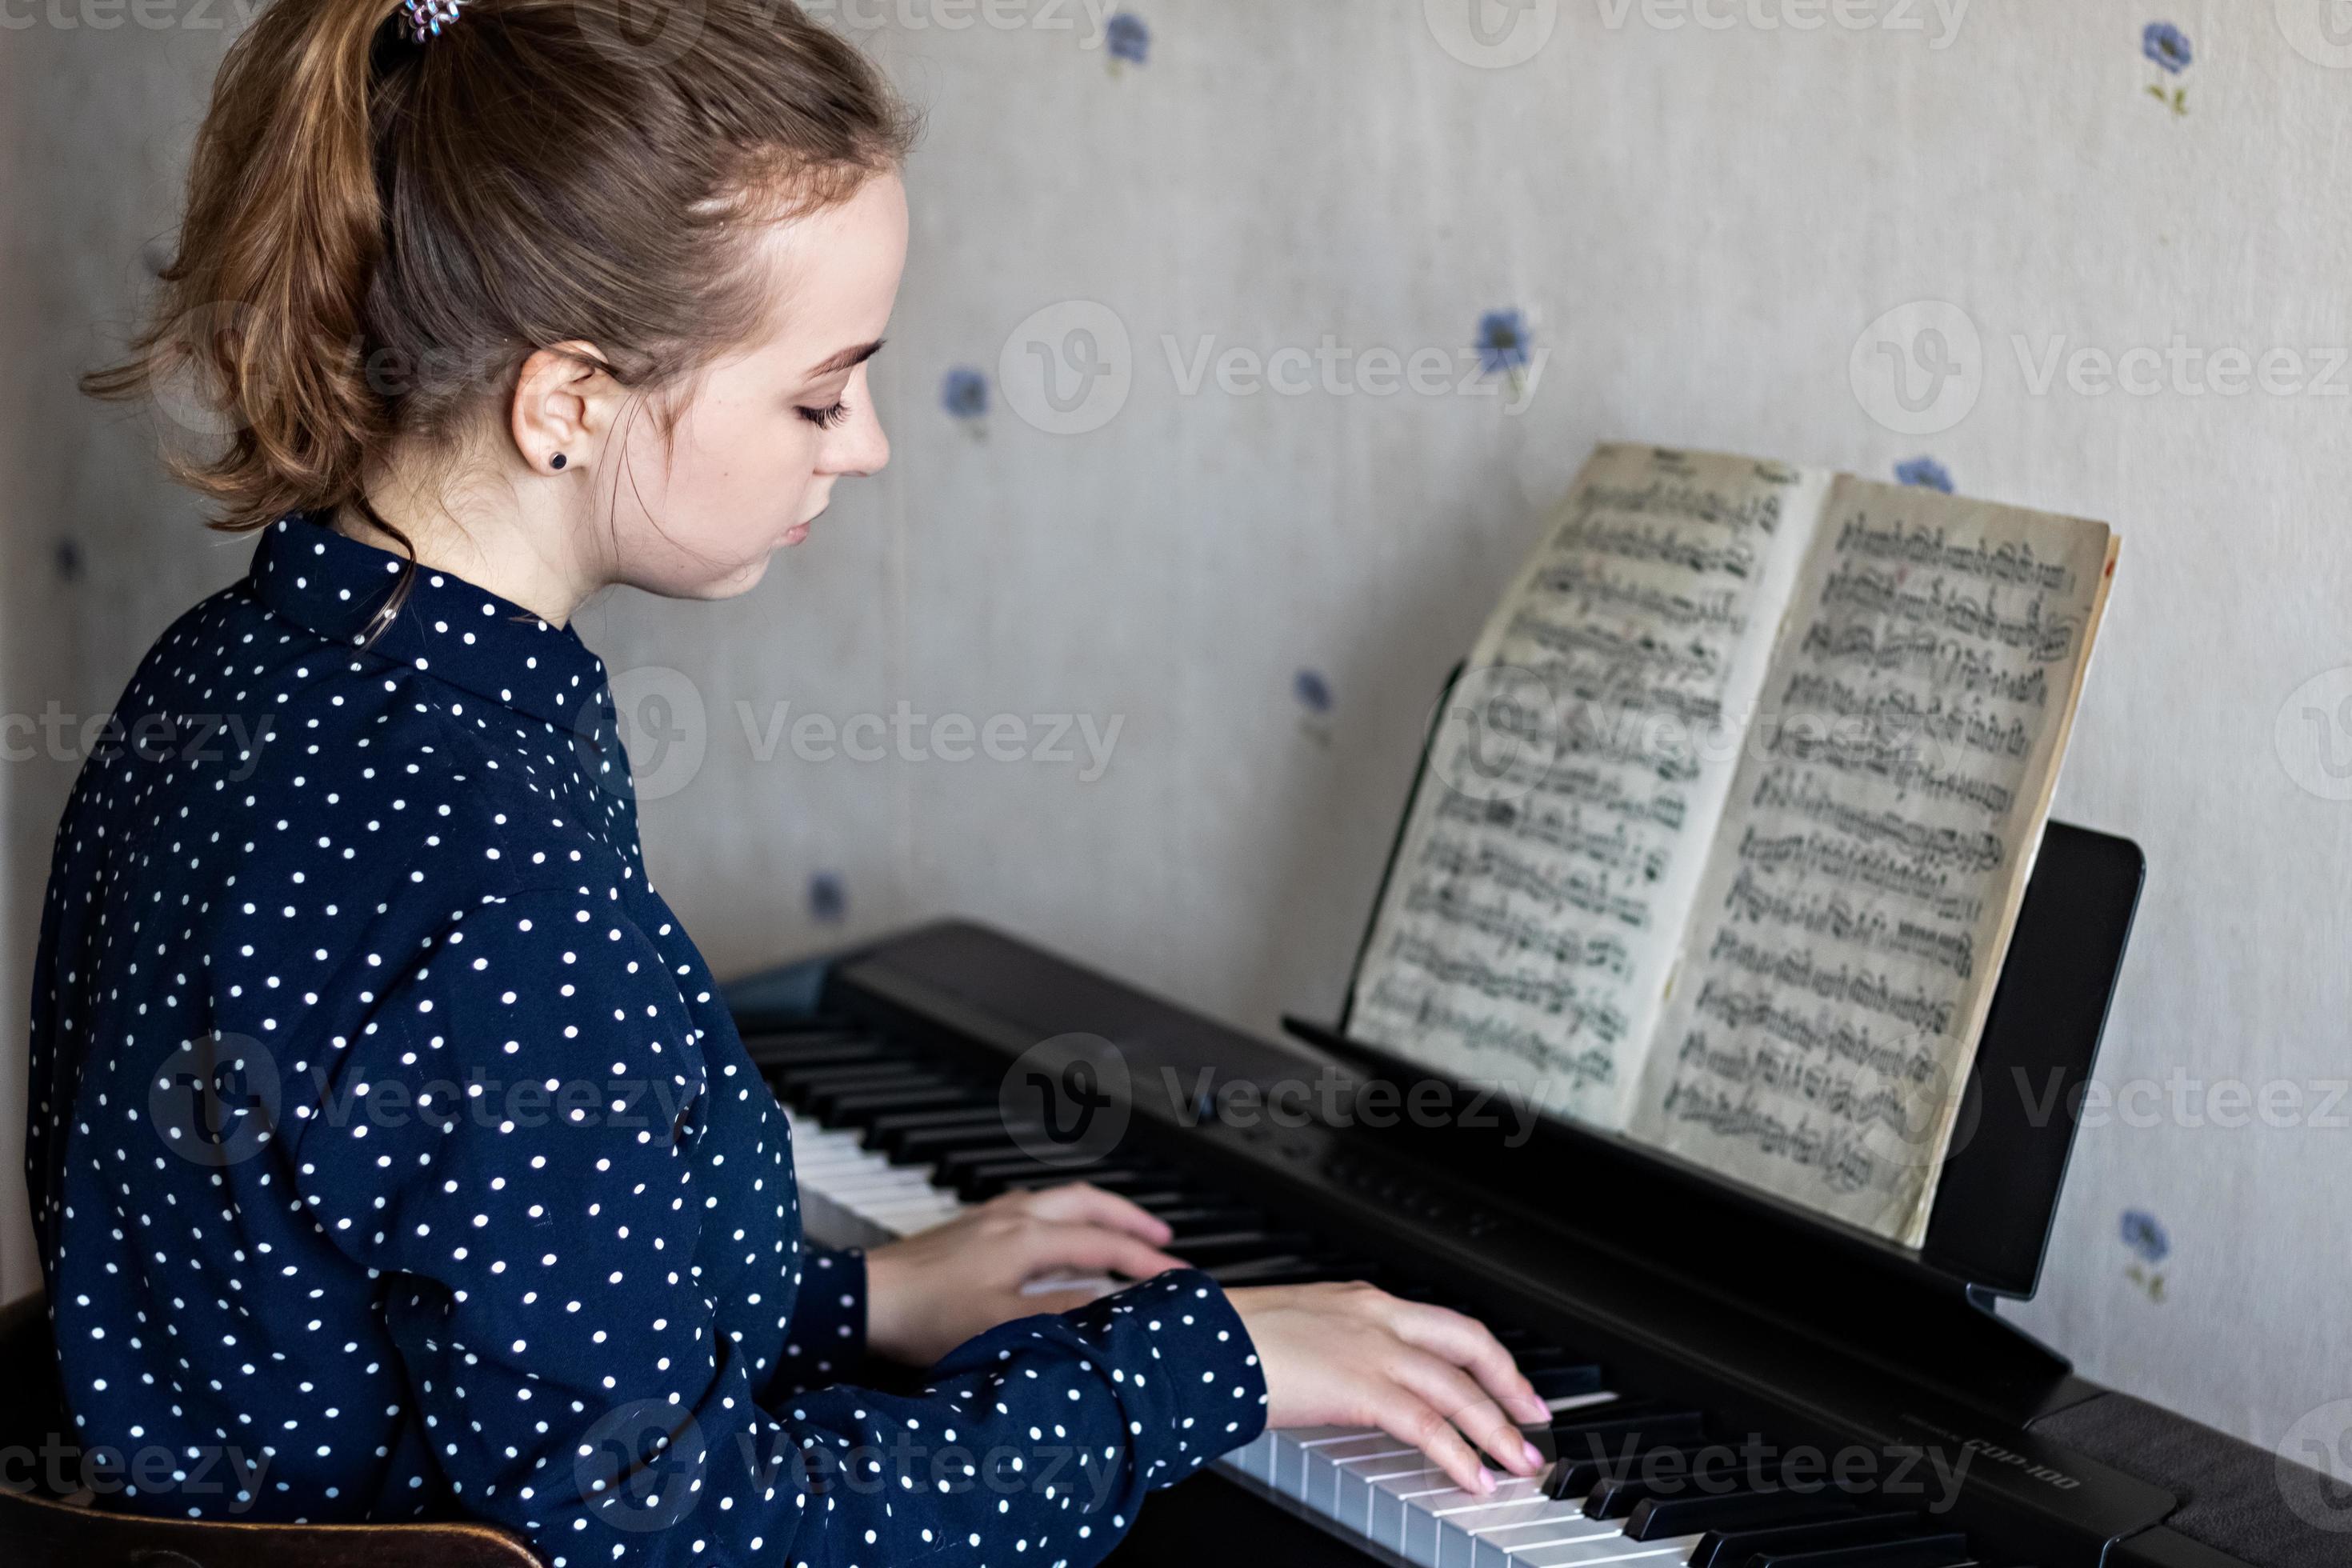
{"type": "Point", "coordinates": [1974, 555]}
{"type": "Point", "coordinates": [1844, 945]}
{"type": "Point", "coordinates": [1578, 774]}
{"type": "Point", "coordinates": [1748, 760]}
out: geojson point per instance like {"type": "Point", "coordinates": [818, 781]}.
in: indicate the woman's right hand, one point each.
{"type": "Point", "coordinates": [1352, 1355]}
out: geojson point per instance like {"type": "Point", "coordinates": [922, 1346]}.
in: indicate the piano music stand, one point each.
{"type": "Point", "coordinates": [1989, 1227]}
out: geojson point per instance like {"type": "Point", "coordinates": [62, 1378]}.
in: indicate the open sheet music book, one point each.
{"type": "Point", "coordinates": [1723, 828]}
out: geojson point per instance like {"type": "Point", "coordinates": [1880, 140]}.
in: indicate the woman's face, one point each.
{"type": "Point", "coordinates": [772, 425]}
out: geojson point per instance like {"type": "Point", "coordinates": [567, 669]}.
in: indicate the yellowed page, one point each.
{"type": "Point", "coordinates": [1854, 911]}
{"type": "Point", "coordinates": [1547, 868]}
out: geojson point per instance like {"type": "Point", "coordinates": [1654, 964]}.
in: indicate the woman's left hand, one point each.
{"type": "Point", "coordinates": [926, 1294]}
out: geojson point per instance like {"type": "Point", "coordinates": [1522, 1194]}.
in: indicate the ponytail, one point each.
{"type": "Point", "coordinates": [379, 231]}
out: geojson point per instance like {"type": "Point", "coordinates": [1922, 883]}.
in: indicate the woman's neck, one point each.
{"type": "Point", "coordinates": [484, 534]}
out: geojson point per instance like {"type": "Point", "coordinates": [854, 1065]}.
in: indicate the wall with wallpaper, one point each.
{"type": "Point", "coordinates": [1243, 348]}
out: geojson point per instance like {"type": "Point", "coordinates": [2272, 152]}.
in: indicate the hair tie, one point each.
{"type": "Point", "coordinates": [422, 19]}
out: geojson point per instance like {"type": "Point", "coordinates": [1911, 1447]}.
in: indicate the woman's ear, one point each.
{"type": "Point", "coordinates": [562, 409]}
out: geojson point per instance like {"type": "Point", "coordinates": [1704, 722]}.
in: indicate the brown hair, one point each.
{"type": "Point", "coordinates": [380, 231]}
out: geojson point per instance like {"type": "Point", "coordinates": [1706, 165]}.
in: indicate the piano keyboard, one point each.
{"type": "Point", "coordinates": [886, 1143]}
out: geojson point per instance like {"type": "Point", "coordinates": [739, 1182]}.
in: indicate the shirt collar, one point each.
{"type": "Point", "coordinates": [466, 635]}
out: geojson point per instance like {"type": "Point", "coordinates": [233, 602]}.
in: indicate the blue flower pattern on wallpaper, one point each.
{"type": "Point", "coordinates": [2143, 1234]}
{"type": "Point", "coordinates": [2167, 46]}
{"type": "Point", "coordinates": [1923, 473]}
{"type": "Point", "coordinates": [1128, 39]}
{"type": "Point", "coordinates": [1313, 691]}
{"type": "Point", "coordinates": [1504, 340]}
{"type": "Point", "coordinates": [964, 394]}
{"type": "Point", "coordinates": [828, 899]}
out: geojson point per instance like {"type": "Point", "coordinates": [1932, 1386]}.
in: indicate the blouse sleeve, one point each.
{"type": "Point", "coordinates": [825, 1343]}
{"type": "Point", "coordinates": [568, 1363]}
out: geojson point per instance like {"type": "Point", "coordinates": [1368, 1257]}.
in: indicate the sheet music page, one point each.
{"type": "Point", "coordinates": [1575, 778]}
{"type": "Point", "coordinates": [1855, 910]}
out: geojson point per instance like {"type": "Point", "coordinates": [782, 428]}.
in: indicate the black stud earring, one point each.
{"type": "Point", "coordinates": [556, 462]}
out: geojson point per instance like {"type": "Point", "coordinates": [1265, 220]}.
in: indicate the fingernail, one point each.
{"type": "Point", "coordinates": [1485, 1479]}
{"type": "Point", "coordinates": [1533, 1454]}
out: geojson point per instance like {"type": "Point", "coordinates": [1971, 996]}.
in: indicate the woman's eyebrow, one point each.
{"type": "Point", "coordinates": [847, 359]}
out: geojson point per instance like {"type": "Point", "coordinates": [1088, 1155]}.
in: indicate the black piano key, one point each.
{"type": "Point", "coordinates": [832, 1103]}
{"type": "Point", "coordinates": [1160, 1199]}
{"type": "Point", "coordinates": [1240, 1246]}
{"type": "Point", "coordinates": [885, 1133]}
{"type": "Point", "coordinates": [1565, 1381]}
{"type": "Point", "coordinates": [772, 1051]}
{"type": "Point", "coordinates": [1660, 1517]}
{"type": "Point", "coordinates": [1209, 1219]}
{"type": "Point", "coordinates": [1594, 1431]}
{"type": "Point", "coordinates": [1576, 1476]}
{"type": "Point", "coordinates": [859, 1110]}
{"type": "Point", "coordinates": [1943, 1550]}
{"type": "Point", "coordinates": [795, 1085]}
{"type": "Point", "coordinates": [847, 1062]}
{"type": "Point", "coordinates": [1735, 1548]}
{"type": "Point", "coordinates": [952, 1147]}
{"type": "Point", "coordinates": [1284, 1270]}
{"type": "Point", "coordinates": [976, 1185]}
{"type": "Point", "coordinates": [1108, 1178]}
{"type": "Point", "coordinates": [1615, 1497]}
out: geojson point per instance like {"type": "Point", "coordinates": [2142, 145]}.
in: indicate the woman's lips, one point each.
{"type": "Point", "coordinates": [797, 533]}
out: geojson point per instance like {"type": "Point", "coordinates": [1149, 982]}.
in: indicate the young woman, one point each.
{"type": "Point", "coordinates": [390, 1153]}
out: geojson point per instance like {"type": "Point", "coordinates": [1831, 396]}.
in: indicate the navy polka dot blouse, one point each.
{"type": "Point", "coordinates": [393, 1157]}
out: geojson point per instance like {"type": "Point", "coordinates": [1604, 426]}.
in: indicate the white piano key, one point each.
{"type": "Point", "coordinates": [1613, 1547]}
{"type": "Point", "coordinates": [1456, 1523]}
{"type": "Point", "coordinates": [1254, 1459]}
{"type": "Point", "coordinates": [1323, 1461]}
{"type": "Point", "coordinates": [1493, 1543]}
{"type": "Point", "coordinates": [1364, 1481]}
{"type": "Point", "coordinates": [1390, 1512]}
{"type": "Point", "coordinates": [1353, 1485]}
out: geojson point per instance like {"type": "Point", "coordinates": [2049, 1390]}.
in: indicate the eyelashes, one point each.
{"type": "Point", "coordinates": [824, 418]}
